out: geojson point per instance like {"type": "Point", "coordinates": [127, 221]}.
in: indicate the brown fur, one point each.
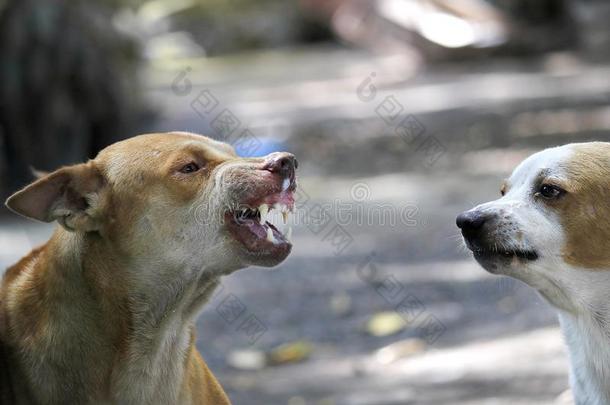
{"type": "Point", "coordinates": [76, 285]}
{"type": "Point", "coordinates": [584, 210]}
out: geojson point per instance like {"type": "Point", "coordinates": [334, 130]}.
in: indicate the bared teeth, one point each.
{"type": "Point", "coordinates": [285, 211]}
{"type": "Point", "coordinates": [270, 237]}
{"type": "Point", "coordinates": [264, 210]}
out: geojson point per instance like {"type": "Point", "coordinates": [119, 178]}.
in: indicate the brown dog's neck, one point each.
{"type": "Point", "coordinates": [98, 320]}
{"type": "Point", "coordinates": [146, 287]}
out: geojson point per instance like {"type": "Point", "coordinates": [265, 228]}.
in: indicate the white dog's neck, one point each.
{"type": "Point", "coordinates": [588, 340]}
{"type": "Point", "coordinates": [583, 301]}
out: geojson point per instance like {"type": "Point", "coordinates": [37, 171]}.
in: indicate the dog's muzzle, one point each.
{"type": "Point", "coordinates": [480, 229]}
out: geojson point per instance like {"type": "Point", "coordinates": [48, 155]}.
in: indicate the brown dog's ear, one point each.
{"type": "Point", "coordinates": [70, 195]}
{"type": "Point", "coordinates": [38, 174]}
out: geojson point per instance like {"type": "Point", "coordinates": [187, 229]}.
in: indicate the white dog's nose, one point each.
{"type": "Point", "coordinates": [471, 222]}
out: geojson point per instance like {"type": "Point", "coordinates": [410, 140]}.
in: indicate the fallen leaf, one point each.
{"type": "Point", "coordinates": [290, 352]}
{"type": "Point", "coordinates": [385, 324]}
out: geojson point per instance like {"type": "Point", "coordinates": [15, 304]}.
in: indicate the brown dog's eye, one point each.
{"type": "Point", "coordinates": [190, 168]}
{"type": "Point", "coordinates": [550, 192]}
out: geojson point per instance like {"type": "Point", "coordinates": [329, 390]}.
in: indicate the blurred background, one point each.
{"type": "Point", "coordinates": [402, 113]}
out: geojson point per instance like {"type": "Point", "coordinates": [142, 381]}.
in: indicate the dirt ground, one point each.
{"type": "Point", "coordinates": [498, 342]}
{"type": "Point", "coordinates": [384, 197]}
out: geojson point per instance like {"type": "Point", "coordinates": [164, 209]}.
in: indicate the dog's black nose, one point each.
{"type": "Point", "coordinates": [283, 163]}
{"type": "Point", "coordinates": [471, 221]}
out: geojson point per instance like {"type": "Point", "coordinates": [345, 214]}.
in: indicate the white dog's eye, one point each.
{"type": "Point", "coordinates": [190, 168]}
{"type": "Point", "coordinates": [549, 191]}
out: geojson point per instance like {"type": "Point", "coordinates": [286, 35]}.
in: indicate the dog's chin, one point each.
{"type": "Point", "coordinates": [503, 262]}
{"type": "Point", "coordinates": [255, 252]}
{"type": "Point", "coordinates": [259, 242]}
{"type": "Point", "coordinates": [267, 258]}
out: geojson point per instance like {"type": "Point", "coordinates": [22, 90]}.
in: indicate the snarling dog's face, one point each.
{"type": "Point", "coordinates": [551, 225]}
{"type": "Point", "coordinates": [181, 198]}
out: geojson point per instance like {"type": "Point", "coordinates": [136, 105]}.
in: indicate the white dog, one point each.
{"type": "Point", "coordinates": [551, 229]}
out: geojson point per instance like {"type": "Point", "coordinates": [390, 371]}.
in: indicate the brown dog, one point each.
{"type": "Point", "coordinates": [104, 312]}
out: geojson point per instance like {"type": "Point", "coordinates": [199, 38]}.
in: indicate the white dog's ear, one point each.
{"type": "Point", "coordinates": [70, 195]}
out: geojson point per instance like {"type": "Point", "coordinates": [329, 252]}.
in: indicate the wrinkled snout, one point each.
{"type": "Point", "coordinates": [282, 163]}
